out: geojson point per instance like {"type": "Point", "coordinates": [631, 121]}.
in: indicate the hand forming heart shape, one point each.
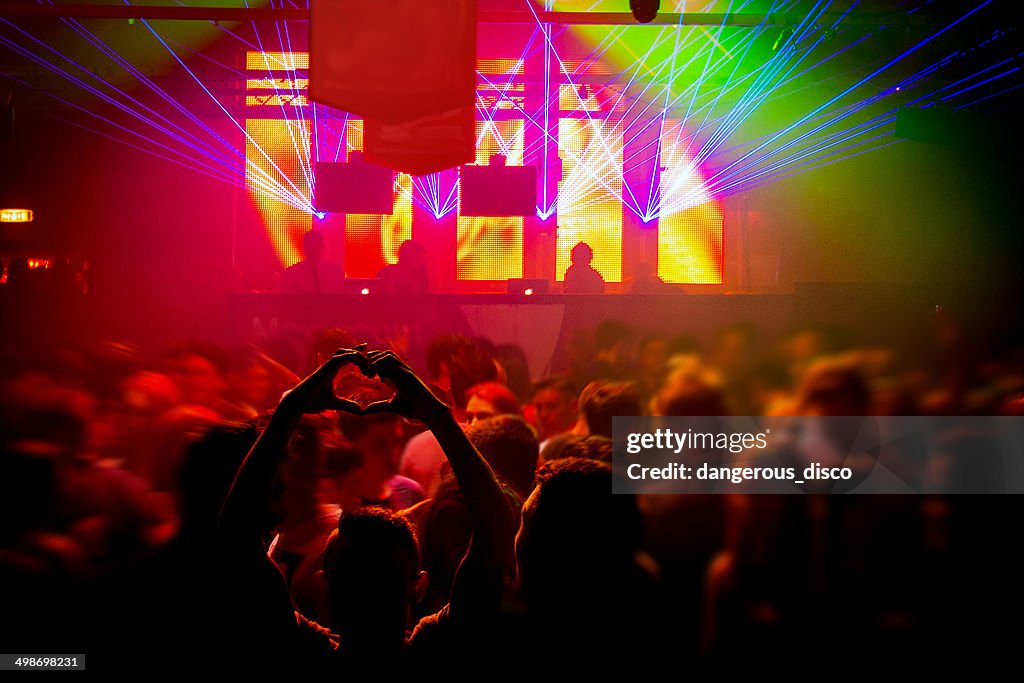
{"type": "Point", "coordinates": [412, 398]}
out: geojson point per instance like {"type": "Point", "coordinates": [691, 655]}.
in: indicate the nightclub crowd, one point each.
{"type": "Point", "coordinates": [421, 504]}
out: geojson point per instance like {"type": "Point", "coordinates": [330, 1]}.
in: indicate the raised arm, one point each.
{"type": "Point", "coordinates": [478, 582]}
{"type": "Point", "coordinates": [247, 510]}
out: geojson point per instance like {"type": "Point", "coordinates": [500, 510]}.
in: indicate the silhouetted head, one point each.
{"type": "Point", "coordinates": [371, 565]}
{"type": "Point", "coordinates": [581, 254]}
{"type": "Point", "coordinates": [601, 400]}
{"type": "Point", "coordinates": [207, 471]}
{"type": "Point", "coordinates": [313, 246]}
{"type": "Point", "coordinates": [411, 252]}
{"type": "Point", "coordinates": [509, 445]}
{"type": "Point", "coordinates": [589, 447]}
{"type": "Point", "coordinates": [577, 541]}
{"type": "Point", "coordinates": [644, 11]}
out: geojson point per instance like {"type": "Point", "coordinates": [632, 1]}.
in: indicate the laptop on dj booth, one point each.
{"type": "Point", "coordinates": [364, 285]}
{"type": "Point", "coordinates": [528, 286]}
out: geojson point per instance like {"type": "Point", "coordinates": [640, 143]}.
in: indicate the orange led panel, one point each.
{"type": "Point", "coordinates": [690, 226]}
{"type": "Point", "coordinates": [277, 178]}
{"type": "Point", "coordinates": [491, 248]}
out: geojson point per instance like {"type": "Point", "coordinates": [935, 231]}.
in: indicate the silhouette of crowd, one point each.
{"type": "Point", "coordinates": [326, 503]}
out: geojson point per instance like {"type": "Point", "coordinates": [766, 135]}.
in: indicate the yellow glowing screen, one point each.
{"type": "Point", "coordinates": [276, 61]}
{"type": "Point", "coordinates": [272, 164]}
{"type": "Point", "coordinates": [491, 248]}
{"type": "Point", "coordinates": [690, 228]}
{"type": "Point", "coordinates": [280, 175]}
{"type": "Point", "coordinates": [277, 175]}
{"type": "Point", "coordinates": [279, 171]}
{"type": "Point", "coordinates": [283, 99]}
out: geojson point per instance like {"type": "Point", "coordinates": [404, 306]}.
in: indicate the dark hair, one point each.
{"type": "Point", "coordinates": [589, 447]}
{"type": "Point", "coordinates": [207, 470]}
{"type": "Point", "coordinates": [370, 527]}
{"type": "Point", "coordinates": [510, 447]}
{"type": "Point", "coordinates": [582, 252]}
{"type": "Point", "coordinates": [577, 538]}
{"type": "Point", "coordinates": [411, 249]}
{"type": "Point", "coordinates": [370, 563]}
{"type": "Point", "coordinates": [601, 400]}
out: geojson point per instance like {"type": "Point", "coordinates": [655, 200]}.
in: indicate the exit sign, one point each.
{"type": "Point", "coordinates": [15, 215]}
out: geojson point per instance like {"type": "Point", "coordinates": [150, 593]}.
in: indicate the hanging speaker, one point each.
{"type": "Point", "coordinates": [355, 187]}
{"type": "Point", "coordinates": [498, 190]}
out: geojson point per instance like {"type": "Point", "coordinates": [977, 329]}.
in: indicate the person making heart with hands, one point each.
{"type": "Point", "coordinates": [371, 561]}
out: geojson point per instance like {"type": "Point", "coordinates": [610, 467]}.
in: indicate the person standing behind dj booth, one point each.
{"type": "Point", "coordinates": [581, 277]}
{"type": "Point", "coordinates": [313, 274]}
{"type": "Point", "coordinates": [409, 275]}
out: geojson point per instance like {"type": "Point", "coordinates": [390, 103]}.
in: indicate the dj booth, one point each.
{"type": "Point", "coordinates": [543, 325]}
